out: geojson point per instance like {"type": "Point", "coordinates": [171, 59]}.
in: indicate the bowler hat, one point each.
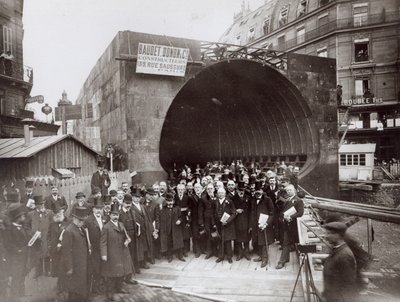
{"type": "Point", "coordinates": [135, 191]}
{"type": "Point", "coordinates": [114, 208]}
{"type": "Point", "coordinates": [258, 185]}
{"type": "Point", "coordinates": [12, 197]}
{"type": "Point", "coordinates": [80, 212]}
{"type": "Point", "coordinates": [336, 226]}
{"type": "Point", "coordinates": [15, 212]}
{"type": "Point", "coordinates": [100, 163]}
{"type": "Point", "coordinates": [128, 198]}
{"type": "Point", "coordinates": [29, 184]}
{"type": "Point", "coordinates": [56, 207]}
{"type": "Point", "coordinates": [98, 202]}
{"type": "Point", "coordinates": [169, 196]}
{"type": "Point", "coordinates": [79, 195]}
{"type": "Point", "coordinates": [151, 191]}
{"type": "Point", "coordinates": [96, 190]}
{"type": "Point", "coordinates": [106, 199]}
{"type": "Point", "coordinates": [38, 199]}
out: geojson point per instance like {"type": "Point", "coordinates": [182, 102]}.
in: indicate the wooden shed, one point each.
{"type": "Point", "coordinates": [356, 162]}
{"type": "Point", "coordinates": [45, 155]}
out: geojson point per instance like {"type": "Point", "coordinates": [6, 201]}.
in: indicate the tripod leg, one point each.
{"type": "Point", "coordinates": [297, 278]}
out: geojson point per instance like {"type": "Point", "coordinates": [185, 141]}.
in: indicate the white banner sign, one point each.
{"type": "Point", "coordinates": [161, 59]}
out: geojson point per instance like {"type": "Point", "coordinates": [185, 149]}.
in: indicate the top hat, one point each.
{"type": "Point", "coordinates": [261, 175]}
{"type": "Point", "coordinates": [169, 196]}
{"type": "Point", "coordinates": [114, 208]}
{"type": "Point", "coordinates": [79, 195]}
{"type": "Point", "coordinates": [258, 185]}
{"type": "Point", "coordinates": [106, 199]}
{"type": "Point", "coordinates": [252, 179]}
{"type": "Point", "coordinates": [224, 178]}
{"type": "Point", "coordinates": [29, 184]}
{"type": "Point", "coordinates": [113, 193]}
{"type": "Point", "coordinates": [12, 197]}
{"type": "Point", "coordinates": [135, 191]}
{"type": "Point", "coordinates": [98, 202]}
{"type": "Point", "coordinates": [56, 207]}
{"type": "Point", "coordinates": [80, 213]}
{"type": "Point", "coordinates": [100, 163]}
{"type": "Point", "coordinates": [241, 185]}
{"type": "Point", "coordinates": [128, 198]}
{"type": "Point", "coordinates": [38, 199]}
{"type": "Point", "coordinates": [285, 179]}
{"type": "Point", "coordinates": [16, 211]}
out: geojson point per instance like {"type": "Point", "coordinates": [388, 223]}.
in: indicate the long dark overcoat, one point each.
{"type": "Point", "coordinates": [144, 242]}
{"type": "Point", "coordinates": [166, 224]}
{"type": "Point", "coordinates": [259, 206]}
{"type": "Point", "coordinates": [94, 236]}
{"type": "Point", "coordinates": [183, 204]}
{"type": "Point", "coordinates": [53, 239]}
{"type": "Point", "coordinates": [206, 212]}
{"type": "Point", "coordinates": [291, 227]}
{"type": "Point", "coordinates": [227, 232]}
{"type": "Point", "coordinates": [75, 256]}
{"type": "Point", "coordinates": [119, 261]}
{"type": "Point", "coordinates": [194, 205]}
{"type": "Point", "coordinates": [242, 219]}
{"type": "Point", "coordinates": [40, 222]}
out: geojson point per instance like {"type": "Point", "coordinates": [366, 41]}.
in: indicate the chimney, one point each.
{"type": "Point", "coordinates": [28, 130]}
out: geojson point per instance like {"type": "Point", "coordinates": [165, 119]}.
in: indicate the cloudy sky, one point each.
{"type": "Point", "coordinates": [64, 38]}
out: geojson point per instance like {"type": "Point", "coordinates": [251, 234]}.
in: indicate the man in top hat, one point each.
{"type": "Point", "coordinates": [291, 209]}
{"type": "Point", "coordinates": [153, 207]}
{"type": "Point", "coordinates": [127, 219]}
{"type": "Point", "coordinates": [117, 261]}
{"type": "Point", "coordinates": [145, 229]}
{"type": "Point", "coordinates": [262, 234]}
{"type": "Point", "coordinates": [55, 198]}
{"type": "Point", "coordinates": [194, 205]}
{"type": "Point", "coordinates": [40, 222]}
{"type": "Point", "coordinates": [272, 192]}
{"type": "Point", "coordinates": [58, 224]}
{"type": "Point", "coordinates": [100, 179]}
{"type": "Point", "coordinates": [27, 198]}
{"type": "Point", "coordinates": [75, 257]}
{"type": "Point", "coordinates": [16, 237]}
{"type": "Point", "coordinates": [168, 224]}
{"type": "Point", "coordinates": [94, 224]}
{"type": "Point", "coordinates": [242, 203]}
{"type": "Point", "coordinates": [96, 193]}
{"type": "Point", "coordinates": [340, 267]}
{"type": "Point", "coordinates": [207, 218]}
{"type": "Point", "coordinates": [107, 201]}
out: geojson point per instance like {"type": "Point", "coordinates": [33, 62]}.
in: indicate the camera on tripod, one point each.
{"type": "Point", "coordinates": [306, 248]}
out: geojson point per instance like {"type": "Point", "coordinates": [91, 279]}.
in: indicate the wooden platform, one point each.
{"type": "Point", "coordinates": [239, 281]}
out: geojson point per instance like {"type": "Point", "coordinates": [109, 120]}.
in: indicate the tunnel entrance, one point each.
{"type": "Point", "coordinates": [239, 109]}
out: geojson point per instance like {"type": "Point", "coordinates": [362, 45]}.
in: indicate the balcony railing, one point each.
{"type": "Point", "coordinates": [16, 70]}
{"type": "Point", "coordinates": [345, 23]}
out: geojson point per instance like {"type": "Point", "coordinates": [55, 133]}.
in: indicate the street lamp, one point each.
{"type": "Point", "coordinates": [217, 105]}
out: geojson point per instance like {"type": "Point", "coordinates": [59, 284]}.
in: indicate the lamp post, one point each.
{"type": "Point", "coordinates": [217, 105]}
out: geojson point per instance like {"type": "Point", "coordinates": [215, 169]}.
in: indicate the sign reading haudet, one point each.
{"type": "Point", "coordinates": [161, 59]}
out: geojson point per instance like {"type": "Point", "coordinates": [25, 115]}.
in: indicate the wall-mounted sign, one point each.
{"type": "Point", "coordinates": [161, 59]}
{"type": "Point", "coordinates": [35, 99]}
{"type": "Point", "coordinates": [73, 112]}
{"type": "Point", "coordinates": [362, 101]}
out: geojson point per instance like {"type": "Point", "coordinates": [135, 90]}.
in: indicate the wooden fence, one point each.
{"type": "Point", "coordinates": [394, 169]}
{"type": "Point", "coordinates": [67, 187]}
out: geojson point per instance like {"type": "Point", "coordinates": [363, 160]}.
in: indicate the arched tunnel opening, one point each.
{"type": "Point", "coordinates": [239, 109]}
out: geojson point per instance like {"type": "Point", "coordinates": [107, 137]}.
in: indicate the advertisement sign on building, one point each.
{"type": "Point", "coordinates": [162, 60]}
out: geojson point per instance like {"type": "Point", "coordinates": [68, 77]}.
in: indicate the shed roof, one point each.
{"type": "Point", "coordinates": [357, 148]}
{"type": "Point", "coordinates": [16, 148]}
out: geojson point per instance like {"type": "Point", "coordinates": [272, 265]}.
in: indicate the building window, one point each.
{"type": "Point", "coordinates": [283, 16]}
{"type": "Point", "coordinates": [323, 2]}
{"type": "Point", "coordinates": [362, 87]}
{"type": "Point", "coordinates": [266, 26]}
{"type": "Point", "coordinates": [300, 35]}
{"type": "Point", "coordinates": [323, 26]}
{"type": "Point", "coordinates": [281, 42]}
{"type": "Point", "coordinates": [7, 39]}
{"type": "Point", "coordinates": [360, 14]}
{"type": "Point", "coordinates": [251, 34]}
{"type": "Point", "coordinates": [302, 8]}
{"type": "Point", "coordinates": [361, 50]}
{"type": "Point", "coordinates": [2, 102]}
{"type": "Point", "coordinates": [322, 52]}
{"type": "Point", "coordinates": [352, 159]}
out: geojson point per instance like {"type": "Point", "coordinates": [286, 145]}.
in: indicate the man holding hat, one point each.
{"type": "Point", "coordinates": [100, 179]}
{"type": "Point", "coordinates": [16, 237]}
{"type": "Point", "coordinates": [116, 259]}
{"type": "Point", "coordinates": [40, 222]}
{"type": "Point", "coordinates": [94, 224]}
{"type": "Point", "coordinates": [75, 257]}
{"type": "Point", "coordinates": [27, 198]}
{"type": "Point", "coordinates": [340, 266]}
